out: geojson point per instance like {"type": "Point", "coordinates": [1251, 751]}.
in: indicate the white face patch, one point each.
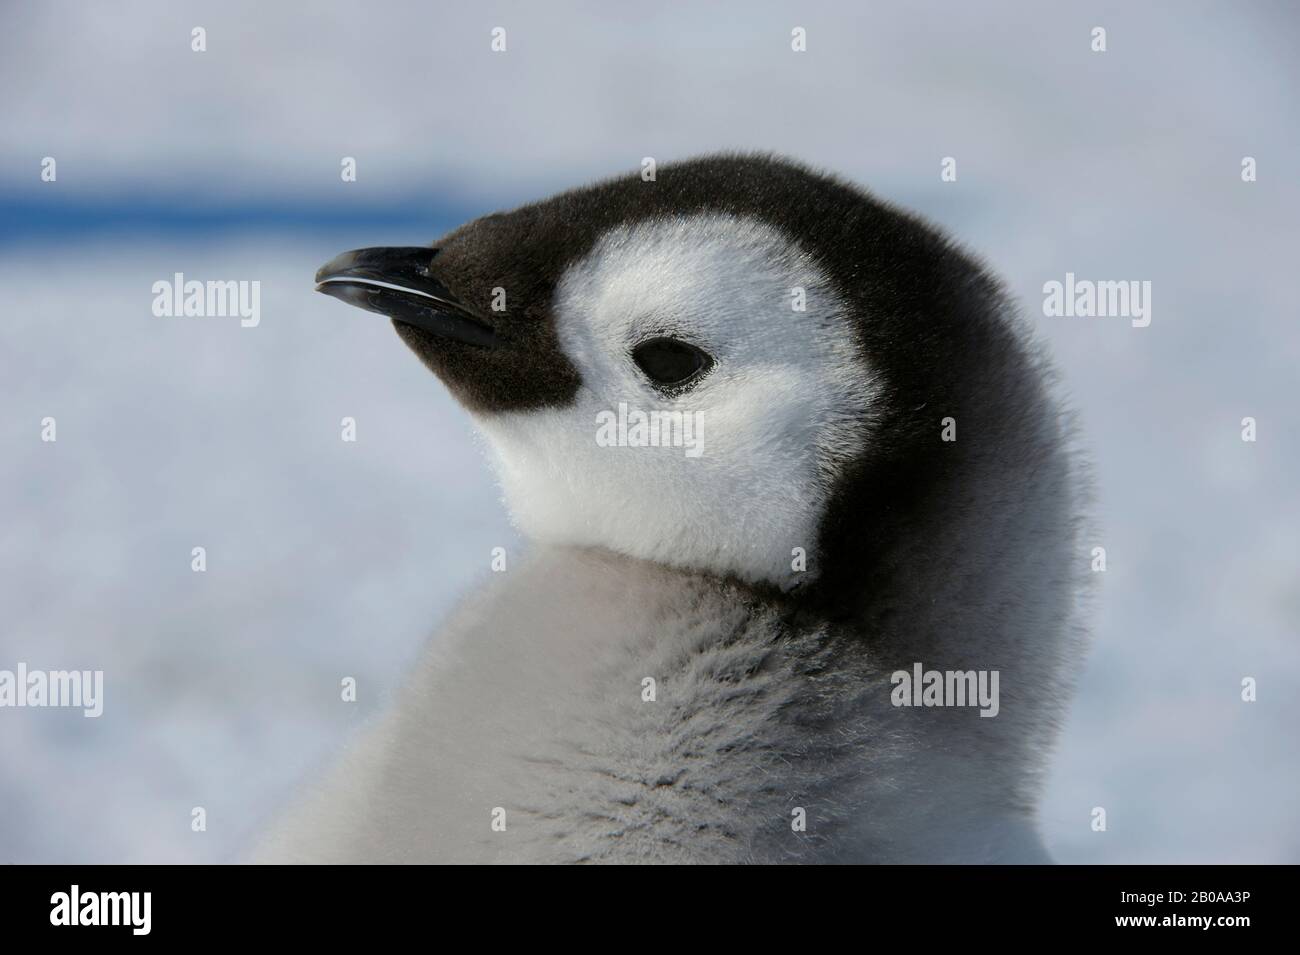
{"type": "Point", "coordinates": [741, 479]}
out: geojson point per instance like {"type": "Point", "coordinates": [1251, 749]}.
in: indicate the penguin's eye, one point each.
{"type": "Point", "coordinates": [668, 362]}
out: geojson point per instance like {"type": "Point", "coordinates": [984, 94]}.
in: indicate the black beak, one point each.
{"type": "Point", "coordinates": [396, 282]}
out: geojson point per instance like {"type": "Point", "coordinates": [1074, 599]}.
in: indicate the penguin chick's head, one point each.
{"type": "Point", "coordinates": [687, 370]}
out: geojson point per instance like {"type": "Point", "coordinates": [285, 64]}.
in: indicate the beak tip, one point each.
{"type": "Point", "coordinates": [396, 282]}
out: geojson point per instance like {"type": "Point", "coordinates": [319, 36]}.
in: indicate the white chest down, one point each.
{"type": "Point", "coordinates": [587, 707]}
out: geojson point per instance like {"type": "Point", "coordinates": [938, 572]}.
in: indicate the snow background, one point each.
{"type": "Point", "coordinates": [328, 559]}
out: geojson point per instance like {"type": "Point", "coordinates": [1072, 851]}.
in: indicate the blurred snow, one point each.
{"type": "Point", "coordinates": [328, 559]}
{"type": "Point", "coordinates": [325, 559]}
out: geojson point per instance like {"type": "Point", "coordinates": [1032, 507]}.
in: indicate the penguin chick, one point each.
{"type": "Point", "coordinates": [780, 450]}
